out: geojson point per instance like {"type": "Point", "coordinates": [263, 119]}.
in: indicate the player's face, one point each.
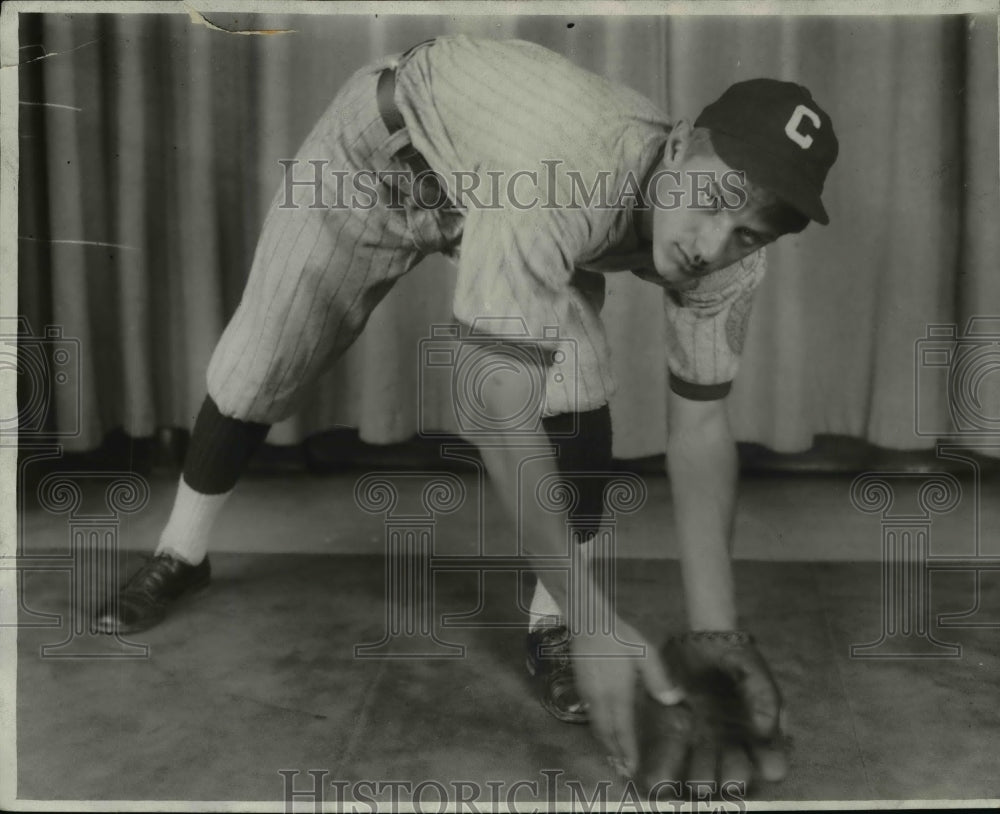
{"type": "Point", "coordinates": [696, 223]}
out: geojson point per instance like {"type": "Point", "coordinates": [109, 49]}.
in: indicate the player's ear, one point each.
{"type": "Point", "coordinates": [678, 142]}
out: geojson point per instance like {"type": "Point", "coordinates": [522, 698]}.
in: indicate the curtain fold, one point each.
{"type": "Point", "coordinates": [150, 149]}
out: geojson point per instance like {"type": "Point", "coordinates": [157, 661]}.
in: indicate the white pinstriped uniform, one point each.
{"type": "Point", "coordinates": [474, 106]}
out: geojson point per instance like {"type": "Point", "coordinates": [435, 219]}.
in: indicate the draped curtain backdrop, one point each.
{"type": "Point", "coordinates": [150, 148]}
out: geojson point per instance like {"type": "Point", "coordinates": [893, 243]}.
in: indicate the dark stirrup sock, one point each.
{"type": "Point", "coordinates": [584, 461]}
{"type": "Point", "coordinates": [219, 450]}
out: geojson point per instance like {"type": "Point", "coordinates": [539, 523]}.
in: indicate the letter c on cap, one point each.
{"type": "Point", "coordinates": [792, 128]}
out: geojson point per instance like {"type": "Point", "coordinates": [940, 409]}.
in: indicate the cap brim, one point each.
{"type": "Point", "coordinates": [783, 180]}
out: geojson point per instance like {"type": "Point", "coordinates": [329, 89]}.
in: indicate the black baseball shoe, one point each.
{"type": "Point", "coordinates": [553, 670]}
{"type": "Point", "coordinates": [143, 600]}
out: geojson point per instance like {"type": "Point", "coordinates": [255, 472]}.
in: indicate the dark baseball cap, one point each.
{"type": "Point", "coordinates": [775, 133]}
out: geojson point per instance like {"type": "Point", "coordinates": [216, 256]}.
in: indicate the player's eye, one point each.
{"type": "Point", "coordinates": [712, 199]}
{"type": "Point", "coordinates": [747, 237]}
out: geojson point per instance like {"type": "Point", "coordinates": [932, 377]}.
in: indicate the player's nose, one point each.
{"type": "Point", "coordinates": [709, 244]}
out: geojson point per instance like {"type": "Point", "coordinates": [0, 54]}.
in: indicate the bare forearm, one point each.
{"type": "Point", "coordinates": [518, 464]}
{"type": "Point", "coordinates": [703, 468]}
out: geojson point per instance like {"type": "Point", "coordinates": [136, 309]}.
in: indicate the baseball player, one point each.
{"type": "Point", "coordinates": [409, 156]}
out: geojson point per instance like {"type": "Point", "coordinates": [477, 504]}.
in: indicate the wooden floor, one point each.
{"type": "Point", "coordinates": [261, 674]}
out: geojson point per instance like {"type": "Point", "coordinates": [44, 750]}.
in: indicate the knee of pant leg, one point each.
{"type": "Point", "coordinates": [238, 398]}
{"type": "Point", "coordinates": [246, 391]}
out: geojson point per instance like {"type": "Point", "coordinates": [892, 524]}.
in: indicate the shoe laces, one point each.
{"type": "Point", "coordinates": [150, 577]}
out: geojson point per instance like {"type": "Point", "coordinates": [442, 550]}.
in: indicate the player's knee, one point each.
{"type": "Point", "coordinates": [507, 388]}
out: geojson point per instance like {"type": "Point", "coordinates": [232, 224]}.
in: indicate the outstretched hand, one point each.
{"type": "Point", "coordinates": [607, 668]}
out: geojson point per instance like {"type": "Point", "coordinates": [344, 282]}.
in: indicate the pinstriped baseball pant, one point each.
{"type": "Point", "coordinates": [319, 270]}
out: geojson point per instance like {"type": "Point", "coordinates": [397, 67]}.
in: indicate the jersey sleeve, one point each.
{"type": "Point", "coordinates": [706, 328]}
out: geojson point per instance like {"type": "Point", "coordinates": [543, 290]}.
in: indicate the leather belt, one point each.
{"type": "Point", "coordinates": [386, 93]}
{"type": "Point", "coordinates": [431, 188]}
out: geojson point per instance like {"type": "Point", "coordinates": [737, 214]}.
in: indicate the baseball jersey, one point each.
{"type": "Point", "coordinates": [492, 109]}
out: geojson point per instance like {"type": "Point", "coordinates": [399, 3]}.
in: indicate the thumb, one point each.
{"type": "Point", "coordinates": [657, 679]}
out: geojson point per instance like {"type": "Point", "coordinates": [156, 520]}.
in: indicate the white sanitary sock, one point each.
{"type": "Point", "coordinates": [544, 610]}
{"type": "Point", "coordinates": [187, 531]}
